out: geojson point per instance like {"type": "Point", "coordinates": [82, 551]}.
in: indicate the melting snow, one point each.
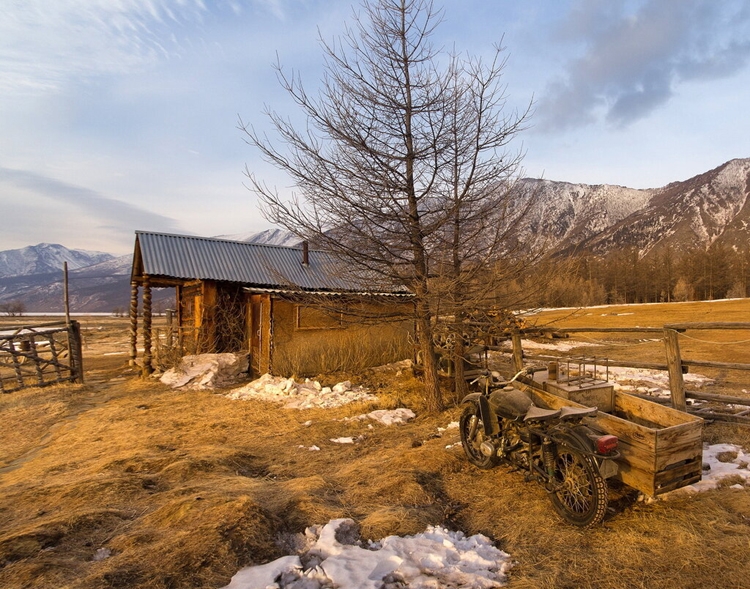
{"type": "Point", "coordinates": [206, 371]}
{"type": "Point", "coordinates": [335, 557]}
{"type": "Point", "coordinates": [386, 416]}
{"type": "Point", "coordinates": [347, 440]}
{"type": "Point", "coordinates": [301, 395]}
{"type": "Point", "coordinates": [723, 461]}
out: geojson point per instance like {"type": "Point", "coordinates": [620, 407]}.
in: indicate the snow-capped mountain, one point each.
{"type": "Point", "coordinates": [693, 213]}
{"type": "Point", "coordinates": [267, 237]}
{"type": "Point", "coordinates": [709, 208]}
{"type": "Point", "coordinates": [712, 207]}
{"type": "Point", "coordinates": [46, 257]}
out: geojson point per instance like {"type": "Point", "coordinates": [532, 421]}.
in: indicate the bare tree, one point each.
{"type": "Point", "coordinates": [15, 308]}
{"type": "Point", "coordinates": [401, 169]}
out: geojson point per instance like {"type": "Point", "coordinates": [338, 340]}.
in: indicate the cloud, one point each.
{"type": "Point", "coordinates": [631, 62]}
{"type": "Point", "coordinates": [44, 43]}
{"type": "Point", "coordinates": [77, 209]}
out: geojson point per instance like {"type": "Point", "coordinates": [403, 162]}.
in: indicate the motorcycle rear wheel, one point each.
{"type": "Point", "coordinates": [583, 496]}
{"type": "Point", "coordinates": [471, 428]}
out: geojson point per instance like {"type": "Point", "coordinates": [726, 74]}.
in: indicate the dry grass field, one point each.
{"type": "Point", "coordinates": [185, 488]}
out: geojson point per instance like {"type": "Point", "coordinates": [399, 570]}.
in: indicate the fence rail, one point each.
{"type": "Point", "coordinates": [40, 355]}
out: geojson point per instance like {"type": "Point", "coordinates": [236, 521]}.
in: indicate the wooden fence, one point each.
{"type": "Point", "coordinates": [40, 355]}
{"type": "Point", "coordinates": [674, 363]}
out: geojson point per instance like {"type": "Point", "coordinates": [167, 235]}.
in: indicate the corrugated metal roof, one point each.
{"type": "Point", "coordinates": [188, 257]}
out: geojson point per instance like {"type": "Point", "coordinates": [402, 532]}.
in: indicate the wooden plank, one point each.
{"type": "Point", "coordinates": [687, 448]}
{"type": "Point", "coordinates": [688, 469]}
{"type": "Point", "coordinates": [644, 439]}
{"type": "Point", "coordinates": [635, 477]}
{"type": "Point", "coordinates": [677, 484]}
{"type": "Point", "coordinates": [660, 416]}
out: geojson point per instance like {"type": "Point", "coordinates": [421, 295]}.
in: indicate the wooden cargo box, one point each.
{"type": "Point", "coordinates": [661, 449]}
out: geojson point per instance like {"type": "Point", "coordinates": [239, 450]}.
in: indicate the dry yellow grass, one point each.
{"type": "Point", "coordinates": [185, 488]}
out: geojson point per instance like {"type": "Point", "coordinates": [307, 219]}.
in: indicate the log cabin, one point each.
{"type": "Point", "coordinates": [293, 310]}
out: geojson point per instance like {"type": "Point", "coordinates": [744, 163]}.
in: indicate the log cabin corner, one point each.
{"type": "Point", "coordinates": [291, 309]}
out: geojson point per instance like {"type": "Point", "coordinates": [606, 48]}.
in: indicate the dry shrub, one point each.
{"type": "Point", "coordinates": [336, 351]}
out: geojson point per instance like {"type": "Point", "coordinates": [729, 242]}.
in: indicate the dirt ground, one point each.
{"type": "Point", "coordinates": [122, 482]}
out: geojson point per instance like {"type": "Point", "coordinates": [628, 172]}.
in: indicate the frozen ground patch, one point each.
{"type": "Point", "coordinates": [333, 556]}
{"type": "Point", "coordinates": [301, 395]}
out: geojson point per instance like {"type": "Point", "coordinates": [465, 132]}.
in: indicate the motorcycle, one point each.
{"type": "Point", "coordinates": [554, 447]}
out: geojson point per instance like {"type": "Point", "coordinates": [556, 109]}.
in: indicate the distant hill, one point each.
{"type": "Point", "coordinates": [571, 218]}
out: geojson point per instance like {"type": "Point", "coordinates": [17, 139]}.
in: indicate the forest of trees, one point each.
{"type": "Point", "coordinates": [665, 275]}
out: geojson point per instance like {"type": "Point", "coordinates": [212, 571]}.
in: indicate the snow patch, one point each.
{"type": "Point", "coordinates": [386, 416]}
{"type": "Point", "coordinates": [434, 559]}
{"type": "Point", "coordinates": [206, 371]}
{"type": "Point", "coordinates": [301, 395]}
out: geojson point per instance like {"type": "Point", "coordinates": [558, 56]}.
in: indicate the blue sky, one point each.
{"type": "Point", "coordinates": [117, 115]}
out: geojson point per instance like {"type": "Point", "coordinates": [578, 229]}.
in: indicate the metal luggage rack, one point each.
{"type": "Point", "coordinates": [583, 371]}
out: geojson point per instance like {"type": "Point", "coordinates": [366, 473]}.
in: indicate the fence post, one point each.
{"type": "Point", "coordinates": [517, 351]}
{"type": "Point", "coordinates": [76, 351]}
{"type": "Point", "coordinates": [674, 365]}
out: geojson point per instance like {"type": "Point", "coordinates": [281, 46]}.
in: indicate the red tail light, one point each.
{"type": "Point", "coordinates": [606, 444]}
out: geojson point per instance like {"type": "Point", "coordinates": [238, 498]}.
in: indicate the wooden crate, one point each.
{"type": "Point", "coordinates": [661, 449]}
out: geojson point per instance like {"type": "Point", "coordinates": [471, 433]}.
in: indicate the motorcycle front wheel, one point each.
{"type": "Point", "coordinates": [581, 496]}
{"type": "Point", "coordinates": [471, 428]}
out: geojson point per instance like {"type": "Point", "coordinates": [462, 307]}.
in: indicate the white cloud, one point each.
{"type": "Point", "coordinates": [45, 43]}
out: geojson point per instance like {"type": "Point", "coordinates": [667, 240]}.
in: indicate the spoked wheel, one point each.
{"type": "Point", "coordinates": [582, 496]}
{"type": "Point", "coordinates": [472, 435]}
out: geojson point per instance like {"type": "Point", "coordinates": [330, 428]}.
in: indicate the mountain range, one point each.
{"type": "Point", "coordinates": [708, 208]}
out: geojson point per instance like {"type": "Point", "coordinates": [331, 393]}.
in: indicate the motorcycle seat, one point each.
{"type": "Point", "coordinates": [539, 414]}
{"type": "Point", "coordinates": [567, 413]}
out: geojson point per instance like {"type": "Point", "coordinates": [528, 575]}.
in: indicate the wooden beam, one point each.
{"type": "Point", "coordinates": [718, 398]}
{"type": "Point", "coordinates": [729, 417]}
{"type": "Point", "coordinates": [517, 351]}
{"type": "Point", "coordinates": [605, 362]}
{"type": "Point", "coordinates": [711, 325]}
{"type": "Point", "coordinates": [709, 364]}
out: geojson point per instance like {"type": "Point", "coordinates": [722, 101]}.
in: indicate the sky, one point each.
{"type": "Point", "coordinates": [122, 115]}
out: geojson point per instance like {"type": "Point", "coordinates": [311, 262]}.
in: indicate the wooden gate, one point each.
{"type": "Point", "coordinates": [41, 355]}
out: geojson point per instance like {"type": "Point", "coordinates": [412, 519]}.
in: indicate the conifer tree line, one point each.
{"type": "Point", "coordinates": [664, 275]}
